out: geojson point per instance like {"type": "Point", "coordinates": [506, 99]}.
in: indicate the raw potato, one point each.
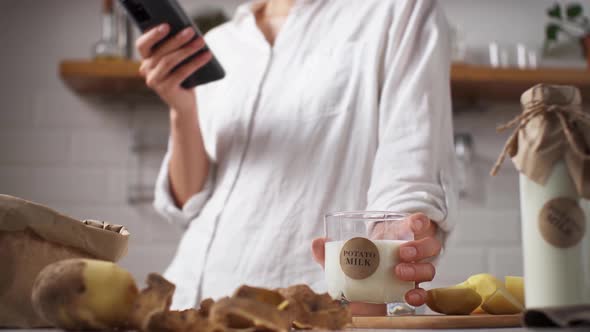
{"type": "Point", "coordinates": [502, 303]}
{"type": "Point", "coordinates": [496, 300]}
{"type": "Point", "coordinates": [485, 285]}
{"type": "Point", "coordinates": [480, 293]}
{"type": "Point", "coordinates": [77, 294]}
{"type": "Point", "coordinates": [515, 285]}
{"type": "Point", "coordinates": [478, 311]}
{"type": "Point", "coordinates": [455, 300]}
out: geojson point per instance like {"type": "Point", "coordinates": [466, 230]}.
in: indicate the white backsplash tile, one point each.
{"type": "Point", "coordinates": [506, 262]}
{"type": "Point", "coordinates": [34, 148]}
{"type": "Point", "coordinates": [105, 148]}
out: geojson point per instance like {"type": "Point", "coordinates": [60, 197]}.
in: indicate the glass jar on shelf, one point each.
{"type": "Point", "coordinates": [108, 47]}
{"type": "Point", "coordinates": [519, 55]}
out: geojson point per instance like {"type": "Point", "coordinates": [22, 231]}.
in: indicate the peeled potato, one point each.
{"type": "Point", "coordinates": [455, 300]}
{"type": "Point", "coordinates": [484, 284]}
{"type": "Point", "coordinates": [480, 293]}
{"type": "Point", "coordinates": [502, 303]}
{"type": "Point", "coordinates": [78, 294]}
{"type": "Point", "coordinates": [478, 311]}
{"type": "Point", "coordinates": [515, 285]}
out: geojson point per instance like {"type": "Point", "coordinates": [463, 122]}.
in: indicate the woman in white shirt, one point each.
{"type": "Point", "coordinates": [327, 105]}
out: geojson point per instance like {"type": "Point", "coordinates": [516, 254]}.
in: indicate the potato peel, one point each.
{"type": "Point", "coordinates": [153, 300]}
{"type": "Point", "coordinates": [268, 296]}
{"type": "Point", "coordinates": [309, 310]}
{"type": "Point", "coordinates": [244, 313]}
{"type": "Point", "coordinates": [205, 307]}
{"type": "Point", "coordinates": [190, 320]}
{"type": "Point", "coordinates": [250, 309]}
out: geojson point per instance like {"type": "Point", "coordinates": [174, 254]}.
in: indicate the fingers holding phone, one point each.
{"type": "Point", "coordinates": [149, 39]}
{"type": "Point", "coordinates": [160, 65]}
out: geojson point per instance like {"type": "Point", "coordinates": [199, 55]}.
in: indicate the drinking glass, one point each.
{"type": "Point", "coordinates": [362, 249]}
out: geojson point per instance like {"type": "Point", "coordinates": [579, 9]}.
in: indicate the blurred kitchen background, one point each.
{"type": "Point", "coordinates": [87, 138]}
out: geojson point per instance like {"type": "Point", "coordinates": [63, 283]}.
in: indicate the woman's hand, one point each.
{"type": "Point", "coordinates": [412, 267]}
{"type": "Point", "coordinates": [156, 65]}
{"type": "Point", "coordinates": [413, 254]}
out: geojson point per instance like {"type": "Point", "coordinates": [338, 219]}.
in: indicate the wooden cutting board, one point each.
{"type": "Point", "coordinates": [438, 322]}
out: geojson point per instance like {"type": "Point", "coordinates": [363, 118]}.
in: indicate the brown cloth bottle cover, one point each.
{"type": "Point", "coordinates": [552, 127]}
{"type": "Point", "coordinates": [569, 316]}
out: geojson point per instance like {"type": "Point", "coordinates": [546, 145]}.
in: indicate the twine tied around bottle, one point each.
{"type": "Point", "coordinates": [538, 108]}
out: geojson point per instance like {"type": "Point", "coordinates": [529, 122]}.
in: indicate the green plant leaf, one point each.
{"type": "Point", "coordinates": [574, 11]}
{"type": "Point", "coordinates": [552, 31]}
{"type": "Point", "coordinates": [555, 11]}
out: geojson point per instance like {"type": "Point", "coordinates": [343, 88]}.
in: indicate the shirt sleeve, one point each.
{"type": "Point", "coordinates": [415, 162]}
{"type": "Point", "coordinates": [164, 202]}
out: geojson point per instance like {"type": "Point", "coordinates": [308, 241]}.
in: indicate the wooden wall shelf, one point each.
{"type": "Point", "coordinates": [469, 83]}
{"type": "Point", "coordinates": [111, 78]}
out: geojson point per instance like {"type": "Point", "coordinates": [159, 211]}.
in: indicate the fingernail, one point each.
{"type": "Point", "coordinates": [187, 32]}
{"type": "Point", "coordinates": [419, 224]}
{"type": "Point", "coordinates": [407, 272]}
{"type": "Point", "coordinates": [163, 28]}
{"type": "Point", "coordinates": [414, 298]}
{"type": "Point", "coordinates": [408, 252]}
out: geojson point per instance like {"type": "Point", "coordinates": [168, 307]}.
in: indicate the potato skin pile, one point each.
{"type": "Point", "coordinates": [84, 294]}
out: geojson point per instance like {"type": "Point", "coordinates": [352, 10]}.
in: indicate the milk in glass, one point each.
{"type": "Point", "coordinates": [380, 287]}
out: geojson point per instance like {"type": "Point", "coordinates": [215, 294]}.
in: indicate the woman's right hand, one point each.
{"type": "Point", "coordinates": [156, 65]}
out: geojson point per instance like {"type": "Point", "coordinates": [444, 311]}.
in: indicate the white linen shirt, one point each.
{"type": "Point", "coordinates": [349, 110]}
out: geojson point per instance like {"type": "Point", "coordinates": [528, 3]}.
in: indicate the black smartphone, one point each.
{"type": "Point", "coordinates": [150, 13]}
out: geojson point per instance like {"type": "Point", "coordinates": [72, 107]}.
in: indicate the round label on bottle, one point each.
{"type": "Point", "coordinates": [359, 258]}
{"type": "Point", "coordinates": [562, 222]}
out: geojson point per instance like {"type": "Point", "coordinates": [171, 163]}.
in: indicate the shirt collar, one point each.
{"type": "Point", "coordinates": [247, 9]}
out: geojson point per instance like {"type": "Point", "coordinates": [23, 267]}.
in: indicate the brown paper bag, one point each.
{"type": "Point", "coordinates": [33, 236]}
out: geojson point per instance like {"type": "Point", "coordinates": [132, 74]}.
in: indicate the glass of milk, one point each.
{"type": "Point", "coordinates": [362, 250]}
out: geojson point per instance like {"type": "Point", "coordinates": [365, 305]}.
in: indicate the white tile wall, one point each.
{"type": "Point", "coordinates": [105, 148]}
{"type": "Point", "coordinates": [34, 148]}
{"type": "Point", "coordinates": [73, 153]}
{"type": "Point", "coordinates": [69, 152]}
{"type": "Point", "coordinates": [487, 237]}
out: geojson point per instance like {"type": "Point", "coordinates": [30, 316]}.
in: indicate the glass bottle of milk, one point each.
{"type": "Point", "coordinates": [551, 150]}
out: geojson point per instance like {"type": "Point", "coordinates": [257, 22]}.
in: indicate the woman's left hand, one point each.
{"type": "Point", "coordinates": [412, 254]}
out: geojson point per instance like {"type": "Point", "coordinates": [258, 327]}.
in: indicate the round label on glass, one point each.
{"type": "Point", "coordinates": [359, 258]}
{"type": "Point", "coordinates": [562, 222]}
